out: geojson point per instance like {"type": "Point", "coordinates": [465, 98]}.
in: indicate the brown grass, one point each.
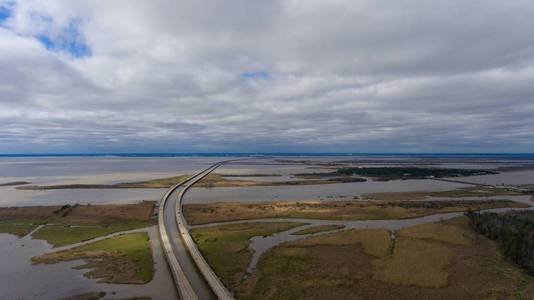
{"type": "Point", "coordinates": [432, 261]}
{"type": "Point", "coordinates": [8, 213]}
{"type": "Point", "coordinates": [457, 193]}
{"type": "Point", "coordinates": [331, 210]}
{"type": "Point", "coordinates": [70, 224]}
{"type": "Point", "coordinates": [374, 242]}
{"type": "Point", "coordinates": [457, 233]}
{"type": "Point", "coordinates": [122, 259]}
{"type": "Point", "coordinates": [79, 213]}
{"type": "Point", "coordinates": [140, 211]}
{"type": "Point", "coordinates": [415, 262]}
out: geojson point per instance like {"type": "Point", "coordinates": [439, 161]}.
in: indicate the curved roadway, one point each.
{"type": "Point", "coordinates": [193, 277]}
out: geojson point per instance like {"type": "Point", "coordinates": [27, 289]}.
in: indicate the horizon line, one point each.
{"type": "Point", "coordinates": [256, 153]}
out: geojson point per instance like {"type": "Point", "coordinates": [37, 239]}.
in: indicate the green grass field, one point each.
{"type": "Point", "coordinates": [18, 229]}
{"type": "Point", "coordinates": [59, 235]}
{"type": "Point", "coordinates": [123, 259]}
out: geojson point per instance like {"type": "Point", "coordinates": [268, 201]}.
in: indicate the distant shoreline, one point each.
{"type": "Point", "coordinates": [275, 154]}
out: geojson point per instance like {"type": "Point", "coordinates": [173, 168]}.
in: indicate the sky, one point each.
{"type": "Point", "coordinates": [266, 76]}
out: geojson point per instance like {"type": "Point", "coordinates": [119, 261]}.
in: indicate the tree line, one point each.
{"type": "Point", "coordinates": [513, 231]}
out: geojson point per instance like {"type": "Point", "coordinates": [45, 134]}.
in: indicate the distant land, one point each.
{"type": "Point", "coordinates": [293, 154]}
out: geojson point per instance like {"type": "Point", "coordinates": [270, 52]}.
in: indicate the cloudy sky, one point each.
{"type": "Point", "coordinates": [266, 76]}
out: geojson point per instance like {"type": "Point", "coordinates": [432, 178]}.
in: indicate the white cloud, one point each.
{"type": "Point", "coordinates": [323, 76]}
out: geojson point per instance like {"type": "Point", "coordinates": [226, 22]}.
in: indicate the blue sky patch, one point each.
{"type": "Point", "coordinates": [5, 12]}
{"type": "Point", "coordinates": [256, 75]}
{"type": "Point", "coordinates": [69, 40]}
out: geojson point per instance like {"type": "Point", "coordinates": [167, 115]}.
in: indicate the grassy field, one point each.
{"type": "Point", "coordinates": [415, 262]}
{"type": "Point", "coordinates": [59, 235]}
{"type": "Point", "coordinates": [317, 229]}
{"type": "Point", "coordinates": [20, 225]}
{"type": "Point", "coordinates": [19, 230]}
{"type": "Point", "coordinates": [122, 259]}
{"type": "Point", "coordinates": [78, 213]}
{"type": "Point", "coordinates": [226, 247]}
{"type": "Point", "coordinates": [325, 267]}
{"type": "Point", "coordinates": [444, 260]}
{"type": "Point", "coordinates": [373, 242]}
{"type": "Point", "coordinates": [332, 210]}
{"type": "Point", "coordinates": [457, 193]}
{"type": "Point", "coordinates": [75, 223]}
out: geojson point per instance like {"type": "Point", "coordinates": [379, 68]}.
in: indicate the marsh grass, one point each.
{"type": "Point", "coordinates": [226, 247]}
{"type": "Point", "coordinates": [123, 259]}
{"type": "Point", "coordinates": [59, 235]}
{"type": "Point", "coordinates": [444, 260]}
{"type": "Point", "coordinates": [332, 210]}
{"type": "Point", "coordinates": [18, 229]}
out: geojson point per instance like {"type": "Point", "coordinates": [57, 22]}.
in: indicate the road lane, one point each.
{"type": "Point", "coordinates": [194, 278]}
{"type": "Point", "coordinates": [199, 285]}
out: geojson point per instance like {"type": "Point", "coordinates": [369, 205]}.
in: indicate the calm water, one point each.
{"type": "Point", "coordinates": [13, 197]}
{"type": "Point", "coordinates": [307, 192]}
{"type": "Point", "coordinates": [102, 170]}
{"type": "Point", "coordinates": [19, 279]}
{"type": "Point", "coordinates": [91, 170]}
{"type": "Point", "coordinates": [30, 167]}
{"type": "Point", "coordinates": [522, 177]}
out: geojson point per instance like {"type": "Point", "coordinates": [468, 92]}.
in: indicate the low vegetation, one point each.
{"type": "Point", "coordinates": [226, 247]}
{"type": "Point", "coordinates": [153, 183]}
{"type": "Point", "coordinates": [20, 221]}
{"type": "Point", "coordinates": [457, 193]}
{"type": "Point", "coordinates": [211, 180]}
{"type": "Point", "coordinates": [415, 262]}
{"type": "Point", "coordinates": [319, 228]}
{"type": "Point", "coordinates": [333, 210]}
{"type": "Point", "coordinates": [445, 204]}
{"type": "Point", "coordinates": [59, 235]}
{"type": "Point", "coordinates": [75, 223]}
{"type": "Point", "coordinates": [18, 229]}
{"type": "Point", "coordinates": [122, 259]}
{"type": "Point", "coordinates": [445, 260]}
{"type": "Point", "coordinates": [78, 213]}
{"type": "Point", "coordinates": [513, 231]}
{"type": "Point", "coordinates": [393, 173]}
{"type": "Point", "coordinates": [14, 183]}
